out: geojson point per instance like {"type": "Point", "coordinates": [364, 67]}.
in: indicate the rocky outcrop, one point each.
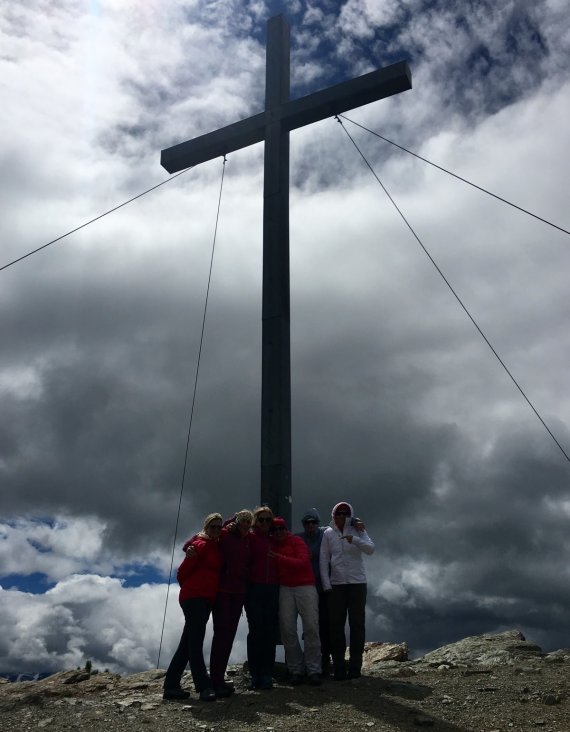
{"type": "Point", "coordinates": [508, 648]}
{"type": "Point", "coordinates": [379, 652]}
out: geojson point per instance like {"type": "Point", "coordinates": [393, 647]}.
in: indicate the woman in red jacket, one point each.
{"type": "Point", "coordinates": [198, 577]}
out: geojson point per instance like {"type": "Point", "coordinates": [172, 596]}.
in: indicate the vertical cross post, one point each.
{"type": "Point", "coordinates": [276, 355]}
{"type": "Point", "coordinates": [273, 125]}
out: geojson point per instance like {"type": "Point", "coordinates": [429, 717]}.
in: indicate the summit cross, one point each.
{"type": "Point", "coordinates": [273, 126]}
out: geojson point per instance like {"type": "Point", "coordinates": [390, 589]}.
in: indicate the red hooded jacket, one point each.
{"type": "Point", "coordinates": [293, 562]}
{"type": "Point", "coordinates": [199, 576]}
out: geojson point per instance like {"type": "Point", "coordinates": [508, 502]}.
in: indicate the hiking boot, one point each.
{"type": "Point", "coordinates": [314, 680]}
{"type": "Point", "coordinates": [265, 683]}
{"type": "Point", "coordinates": [340, 673]}
{"type": "Point", "coordinates": [175, 694]}
{"type": "Point", "coordinates": [224, 690]}
{"type": "Point", "coordinates": [297, 680]}
{"type": "Point", "coordinates": [207, 695]}
{"type": "Point", "coordinates": [353, 673]}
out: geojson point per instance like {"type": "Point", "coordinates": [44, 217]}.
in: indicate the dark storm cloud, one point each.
{"type": "Point", "coordinates": [493, 544]}
{"type": "Point", "coordinates": [112, 402]}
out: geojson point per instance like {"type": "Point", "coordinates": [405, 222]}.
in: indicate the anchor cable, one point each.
{"type": "Point", "coordinates": [454, 293]}
{"type": "Point", "coordinates": [92, 221]}
{"type": "Point", "coordinates": [458, 177]}
{"type": "Point", "coordinates": [187, 451]}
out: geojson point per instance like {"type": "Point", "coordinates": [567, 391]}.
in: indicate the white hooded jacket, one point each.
{"type": "Point", "coordinates": [342, 557]}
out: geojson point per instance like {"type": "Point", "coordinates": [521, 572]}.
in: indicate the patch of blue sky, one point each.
{"type": "Point", "coordinates": [381, 48]}
{"type": "Point", "coordinates": [135, 575]}
{"type": "Point", "coordinates": [35, 583]}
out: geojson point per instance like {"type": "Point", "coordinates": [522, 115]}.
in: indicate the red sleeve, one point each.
{"type": "Point", "coordinates": [299, 553]}
{"type": "Point", "coordinates": [189, 563]}
{"type": "Point", "coordinates": [189, 541]}
{"type": "Point", "coordinates": [185, 570]}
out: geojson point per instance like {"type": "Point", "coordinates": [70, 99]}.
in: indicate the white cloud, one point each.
{"type": "Point", "coordinates": [64, 546]}
{"type": "Point", "coordinates": [92, 617]}
{"type": "Point", "coordinates": [85, 617]}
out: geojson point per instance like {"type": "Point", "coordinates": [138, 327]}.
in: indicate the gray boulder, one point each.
{"type": "Point", "coordinates": [500, 649]}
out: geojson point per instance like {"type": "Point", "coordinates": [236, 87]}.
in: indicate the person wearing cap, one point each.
{"type": "Point", "coordinates": [198, 577]}
{"type": "Point", "coordinates": [312, 535]}
{"type": "Point", "coordinates": [297, 596]}
{"type": "Point", "coordinates": [344, 579]}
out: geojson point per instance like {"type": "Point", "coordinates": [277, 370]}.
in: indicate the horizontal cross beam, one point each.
{"type": "Point", "coordinates": [293, 114]}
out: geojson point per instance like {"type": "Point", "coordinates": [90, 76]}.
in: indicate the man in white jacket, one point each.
{"type": "Point", "coordinates": [344, 580]}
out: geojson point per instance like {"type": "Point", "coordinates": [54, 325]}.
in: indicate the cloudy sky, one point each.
{"type": "Point", "coordinates": [398, 404]}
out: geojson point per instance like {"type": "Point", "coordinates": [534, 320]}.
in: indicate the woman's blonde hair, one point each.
{"type": "Point", "coordinates": [212, 517]}
{"type": "Point", "coordinates": [262, 509]}
{"type": "Point", "coordinates": [244, 515]}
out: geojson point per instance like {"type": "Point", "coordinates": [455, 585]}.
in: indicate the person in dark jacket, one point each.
{"type": "Point", "coordinates": [312, 535]}
{"type": "Point", "coordinates": [262, 602]}
{"type": "Point", "coordinates": [297, 596]}
{"type": "Point", "coordinates": [198, 577]}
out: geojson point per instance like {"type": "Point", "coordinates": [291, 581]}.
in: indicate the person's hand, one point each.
{"type": "Point", "coordinates": [191, 551]}
{"type": "Point", "coordinates": [359, 525]}
{"type": "Point", "coordinates": [348, 537]}
{"type": "Point", "coordinates": [232, 526]}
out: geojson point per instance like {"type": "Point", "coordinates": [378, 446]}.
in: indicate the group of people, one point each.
{"type": "Point", "coordinates": [253, 561]}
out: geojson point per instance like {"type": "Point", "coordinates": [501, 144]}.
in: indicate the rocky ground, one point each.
{"type": "Point", "coordinates": [496, 682]}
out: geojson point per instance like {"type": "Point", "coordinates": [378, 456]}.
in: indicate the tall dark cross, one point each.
{"type": "Point", "coordinates": [281, 115]}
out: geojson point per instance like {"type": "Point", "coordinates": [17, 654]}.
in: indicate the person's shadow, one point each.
{"type": "Point", "coordinates": [359, 702]}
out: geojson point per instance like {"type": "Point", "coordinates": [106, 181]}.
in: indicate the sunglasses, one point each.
{"type": "Point", "coordinates": [311, 521]}
{"type": "Point", "coordinates": [215, 526]}
{"type": "Point", "coordinates": [342, 513]}
{"type": "Point", "coordinates": [264, 519]}
{"type": "Point", "coordinates": [279, 528]}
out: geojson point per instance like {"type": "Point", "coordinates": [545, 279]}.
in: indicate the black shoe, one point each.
{"type": "Point", "coordinates": [265, 683]}
{"type": "Point", "coordinates": [314, 680]}
{"type": "Point", "coordinates": [223, 691]}
{"type": "Point", "coordinates": [175, 694]}
{"type": "Point", "coordinates": [208, 695]}
{"type": "Point", "coordinates": [340, 674]}
{"type": "Point", "coordinates": [353, 673]}
{"type": "Point", "coordinates": [297, 680]}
